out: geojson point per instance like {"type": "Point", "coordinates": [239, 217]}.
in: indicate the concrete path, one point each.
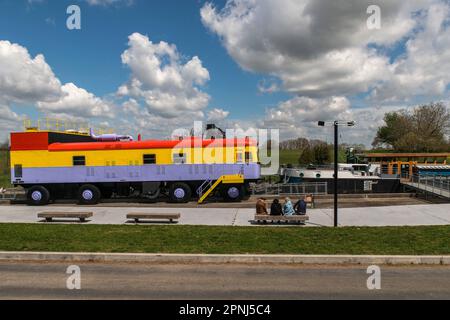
{"type": "Point", "coordinates": [433, 214]}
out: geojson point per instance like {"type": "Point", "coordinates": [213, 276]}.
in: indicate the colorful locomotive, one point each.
{"type": "Point", "coordinates": [53, 165]}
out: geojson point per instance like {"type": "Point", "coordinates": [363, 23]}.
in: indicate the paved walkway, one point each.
{"type": "Point", "coordinates": [433, 214]}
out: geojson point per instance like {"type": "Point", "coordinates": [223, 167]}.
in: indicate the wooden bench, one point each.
{"type": "Point", "coordinates": [49, 216]}
{"type": "Point", "coordinates": [296, 218]}
{"type": "Point", "coordinates": [153, 216]}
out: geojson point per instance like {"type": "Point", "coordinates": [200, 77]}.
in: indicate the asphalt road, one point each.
{"type": "Point", "coordinates": [138, 281]}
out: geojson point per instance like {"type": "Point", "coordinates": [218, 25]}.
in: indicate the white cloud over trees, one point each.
{"type": "Point", "coordinates": [322, 50]}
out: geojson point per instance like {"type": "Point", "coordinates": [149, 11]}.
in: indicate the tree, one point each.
{"type": "Point", "coordinates": [4, 160]}
{"type": "Point", "coordinates": [295, 144]}
{"type": "Point", "coordinates": [306, 155]}
{"type": "Point", "coordinates": [424, 129]}
{"type": "Point", "coordinates": [321, 153]}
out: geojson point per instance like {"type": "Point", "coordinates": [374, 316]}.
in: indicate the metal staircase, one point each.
{"type": "Point", "coordinates": [204, 187]}
{"type": "Point", "coordinates": [208, 186]}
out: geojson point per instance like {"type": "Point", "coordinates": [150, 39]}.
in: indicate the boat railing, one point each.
{"type": "Point", "coordinates": [278, 189]}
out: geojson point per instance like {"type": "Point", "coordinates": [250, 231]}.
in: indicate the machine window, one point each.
{"type": "Point", "coordinates": [79, 161]}
{"type": "Point", "coordinates": [18, 171]}
{"type": "Point", "coordinates": [149, 158]}
{"type": "Point", "coordinates": [179, 158]}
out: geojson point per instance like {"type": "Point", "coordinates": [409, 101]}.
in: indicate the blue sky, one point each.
{"type": "Point", "coordinates": [245, 64]}
{"type": "Point", "coordinates": [90, 57]}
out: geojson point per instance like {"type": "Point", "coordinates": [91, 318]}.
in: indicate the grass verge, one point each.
{"type": "Point", "coordinates": [430, 240]}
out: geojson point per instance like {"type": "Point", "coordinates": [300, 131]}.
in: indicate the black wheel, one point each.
{"type": "Point", "coordinates": [180, 192]}
{"type": "Point", "coordinates": [233, 192]}
{"type": "Point", "coordinates": [38, 196]}
{"type": "Point", "coordinates": [89, 195]}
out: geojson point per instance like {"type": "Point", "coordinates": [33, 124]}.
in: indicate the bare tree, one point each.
{"type": "Point", "coordinates": [423, 129]}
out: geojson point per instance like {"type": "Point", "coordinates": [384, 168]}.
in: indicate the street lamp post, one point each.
{"type": "Point", "coordinates": [336, 125]}
{"type": "Point", "coordinates": [336, 169]}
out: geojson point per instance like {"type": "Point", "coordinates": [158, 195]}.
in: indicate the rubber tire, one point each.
{"type": "Point", "coordinates": [96, 195]}
{"type": "Point", "coordinates": [227, 197]}
{"type": "Point", "coordinates": [187, 192]}
{"type": "Point", "coordinates": [45, 196]}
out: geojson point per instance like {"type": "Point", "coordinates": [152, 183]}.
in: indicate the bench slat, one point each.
{"type": "Point", "coordinates": [65, 214]}
{"type": "Point", "coordinates": [282, 218]}
{"type": "Point", "coordinates": [49, 216]}
{"type": "Point", "coordinates": [153, 216]}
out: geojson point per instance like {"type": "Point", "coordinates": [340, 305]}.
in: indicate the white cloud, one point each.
{"type": "Point", "coordinates": [77, 101]}
{"type": "Point", "coordinates": [135, 120]}
{"type": "Point", "coordinates": [217, 114]}
{"type": "Point", "coordinates": [298, 117]}
{"type": "Point", "coordinates": [23, 78]}
{"type": "Point", "coordinates": [304, 110]}
{"type": "Point", "coordinates": [161, 81]}
{"type": "Point", "coordinates": [9, 121]}
{"type": "Point", "coordinates": [321, 48]}
{"type": "Point", "coordinates": [323, 53]}
{"type": "Point", "coordinates": [6, 114]}
{"type": "Point", "coordinates": [423, 70]}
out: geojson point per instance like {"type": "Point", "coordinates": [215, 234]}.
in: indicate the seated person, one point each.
{"type": "Point", "coordinates": [288, 208]}
{"type": "Point", "coordinates": [300, 207]}
{"type": "Point", "coordinates": [310, 199]}
{"type": "Point", "coordinates": [261, 206]}
{"type": "Point", "coordinates": [275, 208]}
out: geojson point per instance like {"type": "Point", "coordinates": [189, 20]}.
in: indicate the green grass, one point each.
{"type": "Point", "coordinates": [238, 240]}
{"type": "Point", "coordinates": [292, 156]}
{"type": "Point", "coordinates": [289, 156]}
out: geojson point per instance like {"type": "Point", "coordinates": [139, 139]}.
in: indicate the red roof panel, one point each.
{"type": "Point", "coordinates": [150, 144]}
{"type": "Point", "coordinates": [22, 141]}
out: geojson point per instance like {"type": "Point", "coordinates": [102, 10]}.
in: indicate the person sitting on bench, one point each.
{"type": "Point", "coordinates": [288, 209]}
{"type": "Point", "coordinates": [275, 208]}
{"type": "Point", "coordinates": [261, 207]}
{"type": "Point", "coordinates": [300, 206]}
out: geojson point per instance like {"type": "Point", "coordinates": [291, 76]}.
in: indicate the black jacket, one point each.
{"type": "Point", "coordinates": [275, 209]}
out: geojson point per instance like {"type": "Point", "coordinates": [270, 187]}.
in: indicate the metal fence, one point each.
{"type": "Point", "coordinates": [314, 188]}
{"type": "Point", "coordinates": [437, 185]}
{"type": "Point", "coordinates": [59, 125]}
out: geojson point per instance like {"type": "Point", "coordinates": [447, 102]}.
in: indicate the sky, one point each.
{"type": "Point", "coordinates": [152, 66]}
